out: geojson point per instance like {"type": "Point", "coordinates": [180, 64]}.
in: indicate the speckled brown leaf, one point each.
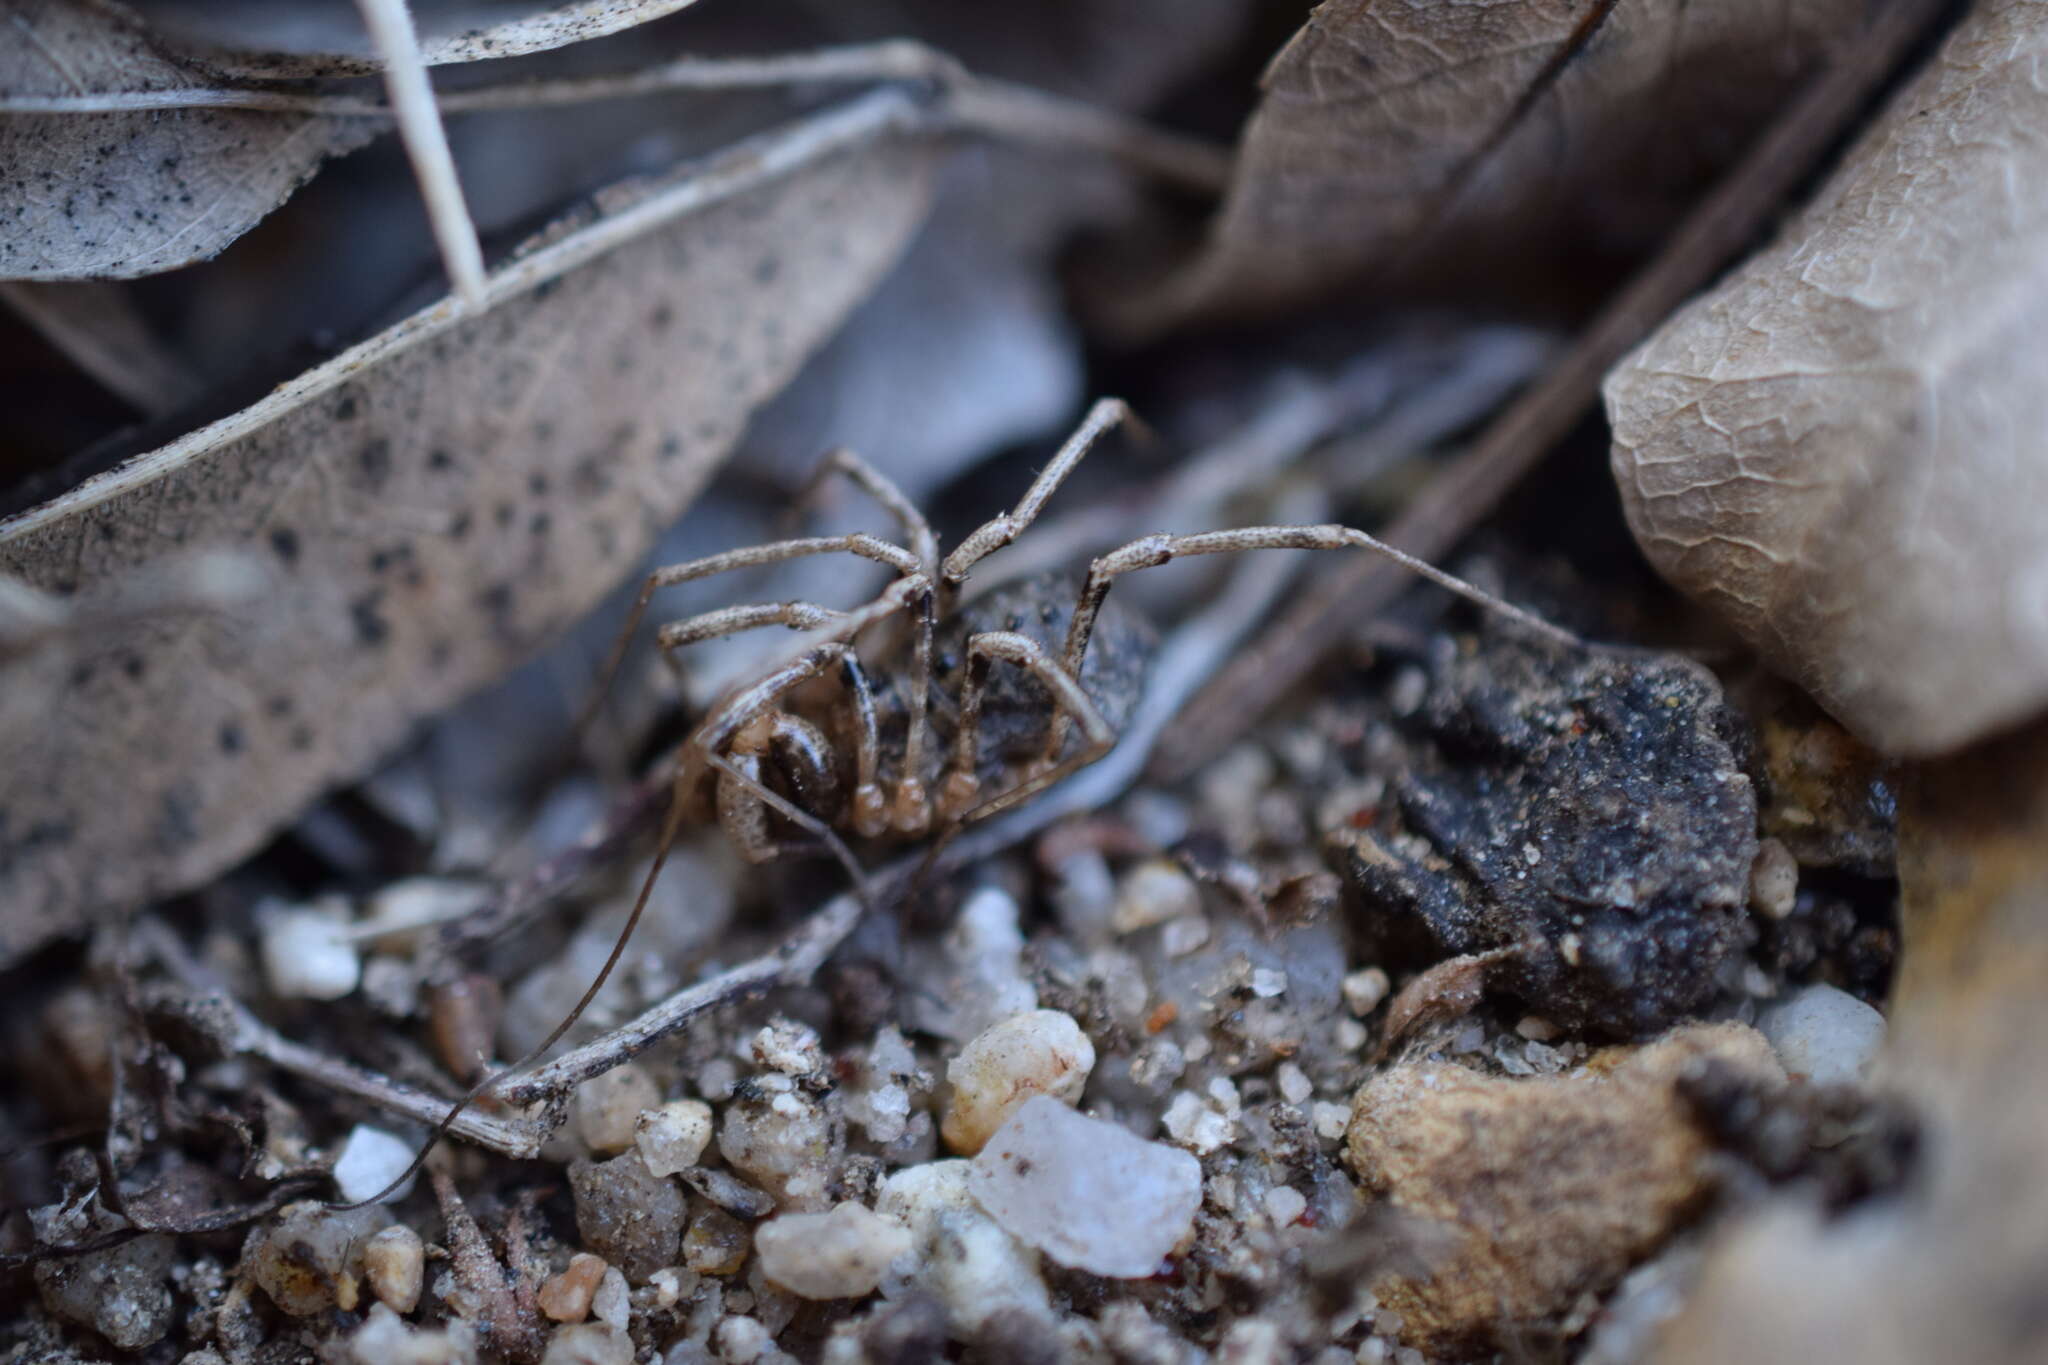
{"type": "Point", "coordinates": [1394, 137]}
{"type": "Point", "coordinates": [1842, 446]}
{"type": "Point", "coordinates": [433, 504]}
{"type": "Point", "coordinates": [121, 194]}
{"type": "Point", "coordinates": [273, 38]}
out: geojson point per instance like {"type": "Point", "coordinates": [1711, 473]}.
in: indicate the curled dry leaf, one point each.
{"type": "Point", "coordinates": [265, 39]}
{"type": "Point", "coordinates": [1840, 447]}
{"type": "Point", "coordinates": [126, 193]}
{"type": "Point", "coordinates": [433, 505]}
{"type": "Point", "coordinates": [1394, 136]}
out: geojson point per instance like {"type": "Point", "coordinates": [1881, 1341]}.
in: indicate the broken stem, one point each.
{"type": "Point", "coordinates": [426, 144]}
{"type": "Point", "coordinates": [215, 1012]}
{"type": "Point", "coordinates": [1470, 486]}
{"type": "Point", "coordinates": [970, 102]}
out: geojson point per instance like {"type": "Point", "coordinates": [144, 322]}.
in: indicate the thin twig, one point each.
{"type": "Point", "coordinates": [426, 143]}
{"type": "Point", "coordinates": [1470, 486]}
{"type": "Point", "coordinates": [207, 1003]}
{"type": "Point", "coordinates": [971, 103]}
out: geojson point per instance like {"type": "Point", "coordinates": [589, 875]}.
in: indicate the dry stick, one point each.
{"type": "Point", "coordinates": [970, 102]}
{"type": "Point", "coordinates": [1470, 485]}
{"type": "Point", "coordinates": [217, 1013]}
{"type": "Point", "coordinates": [426, 143]}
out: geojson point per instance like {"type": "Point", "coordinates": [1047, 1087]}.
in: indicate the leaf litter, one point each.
{"type": "Point", "coordinates": [1234, 1021]}
{"type": "Point", "coordinates": [406, 494]}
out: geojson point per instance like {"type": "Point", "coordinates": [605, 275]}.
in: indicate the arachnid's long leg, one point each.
{"type": "Point", "coordinates": [755, 792]}
{"type": "Point", "coordinates": [984, 650]}
{"type": "Point", "coordinates": [752, 556]}
{"type": "Point", "coordinates": [879, 486]}
{"type": "Point", "coordinates": [998, 531]}
{"type": "Point", "coordinates": [1151, 551]}
{"type": "Point", "coordinates": [911, 812]}
{"type": "Point", "coordinates": [868, 809]}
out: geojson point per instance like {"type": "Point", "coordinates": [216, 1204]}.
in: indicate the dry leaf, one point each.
{"type": "Point", "coordinates": [1840, 447]}
{"type": "Point", "coordinates": [1396, 137]}
{"type": "Point", "coordinates": [435, 504]}
{"type": "Point", "coordinates": [122, 194]}
{"type": "Point", "coordinates": [265, 39]}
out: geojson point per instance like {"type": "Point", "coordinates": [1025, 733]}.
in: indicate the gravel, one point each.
{"type": "Point", "coordinates": [1086, 1192]}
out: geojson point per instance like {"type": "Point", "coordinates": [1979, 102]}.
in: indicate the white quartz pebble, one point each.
{"type": "Point", "coordinates": [1152, 893]}
{"type": "Point", "coordinates": [964, 1260]}
{"type": "Point", "coordinates": [673, 1137]}
{"type": "Point", "coordinates": [608, 1108]}
{"type": "Point", "coordinates": [1039, 1052]}
{"type": "Point", "coordinates": [838, 1255]}
{"type": "Point", "coordinates": [1823, 1034]}
{"type": "Point", "coordinates": [1086, 1192]}
{"type": "Point", "coordinates": [370, 1160]}
{"type": "Point", "coordinates": [307, 955]}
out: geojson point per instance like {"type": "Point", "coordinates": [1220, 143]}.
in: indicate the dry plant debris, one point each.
{"type": "Point", "coordinates": [1835, 447]}
{"type": "Point", "coordinates": [1296, 1057]}
{"type": "Point", "coordinates": [424, 511]}
{"type": "Point", "coordinates": [1392, 138]}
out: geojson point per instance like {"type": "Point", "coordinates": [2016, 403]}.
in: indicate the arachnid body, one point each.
{"type": "Point", "coordinates": [974, 708]}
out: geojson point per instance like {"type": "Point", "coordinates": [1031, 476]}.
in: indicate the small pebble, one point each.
{"type": "Point", "coordinates": [1268, 982]}
{"type": "Point", "coordinates": [783, 1141]}
{"type": "Point", "coordinates": [394, 1262]}
{"type": "Point", "coordinates": [964, 1260]}
{"type": "Point", "coordinates": [307, 955]}
{"type": "Point", "coordinates": [742, 1340]}
{"type": "Point", "coordinates": [1773, 880]}
{"type": "Point", "coordinates": [612, 1305]}
{"type": "Point", "coordinates": [308, 1260]}
{"type": "Point", "coordinates": [1284, 1205]}
{"type": "Point", "coordinates": [370, 1160]}
{"type": "Point", "coordinates": [1536, 1028]}
{"type": "Point", "coordinates": [119, 1292]}
{"type": "Point", "coordinates": [607, 1108]}
{"type": "Point", "coordinates": [1364, 990]}
{"type": "Point", "coordinates": [838, 1255]}
{"type": "Point", "coordinates": [627, 1214]}
{"type": "Point", "coordinates": [1330, 1120]}
{"type": "Point", "coordinates": [1041, 1052]}
{"type": "Point", "coordinates": [566, 1297]}
{"type": "Point", "coordinates": [788, 1047]}
{"type": "Point", "coordinates": [673, 1137]}
{"type": "Point", "coordinates": [1086, 1192]}
{"type": "Point", "coordinates": [1294, 1083]}
{"type": "Point", "coordinates": [1152, 893]}
{"type": "Point", "coordinates": [667, 1285]}
{"type": "Point", "coordinates": [1824, 1034]}
{"type": "Point", "coordinates": [386, 1339]}
{"type": "Point", "coordinates": [716, 1243]}
{"type": "Point", "coordinates": [1184, 935]}
{"type": "Point", "coordinates": [588, 1343]}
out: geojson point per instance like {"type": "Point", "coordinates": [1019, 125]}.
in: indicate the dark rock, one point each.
{"type": "Point", "coordinates": [1585, 809]}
